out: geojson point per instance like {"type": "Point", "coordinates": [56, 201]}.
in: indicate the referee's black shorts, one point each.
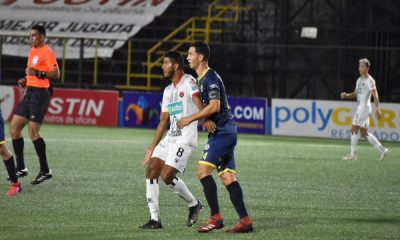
{"type": "Point", "coordinates": [34, 105]}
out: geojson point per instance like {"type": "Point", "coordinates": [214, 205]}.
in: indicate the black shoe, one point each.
{"type": "Point", "coordinates": [151, 224]}
{"type": "Point", "coordinates": [41, 177]}
{"type": "Point", "coordinates": [20, 173]}
{"type": "Point", "coordinates": [194, 213]}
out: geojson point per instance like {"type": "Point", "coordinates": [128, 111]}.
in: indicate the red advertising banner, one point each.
{"type": "Point", "coordinates": [83, 107]}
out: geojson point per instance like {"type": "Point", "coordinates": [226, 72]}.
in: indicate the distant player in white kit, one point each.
{"type": "Point", "coordinates": [365, 87]}
{"type": "Point", "coordinates": [170, 155]}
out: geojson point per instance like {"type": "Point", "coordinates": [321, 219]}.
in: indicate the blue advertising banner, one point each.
{"type": "Point", "coordinates": [250, 114]}
{"type": "Point", "coordinates": [142, 110]}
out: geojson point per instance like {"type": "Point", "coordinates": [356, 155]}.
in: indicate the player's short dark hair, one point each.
{"type": "Point", "coordinates": [365, 61]}
{"type": "Point", "coordinates": [176, 58]}
{"type": "Point", "coordinates": [202, 48]}
{"type": "Point", "coordinates": [40, 29]}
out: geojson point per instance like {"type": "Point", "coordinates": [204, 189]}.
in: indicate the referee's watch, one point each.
{"type": "Point", "coordinates": [40, 74]}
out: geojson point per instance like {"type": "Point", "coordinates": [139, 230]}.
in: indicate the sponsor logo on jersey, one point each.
{"type": "Point", "coordinates": [175, 108]}
{"type": "Point", "coordinates": [212, 86]}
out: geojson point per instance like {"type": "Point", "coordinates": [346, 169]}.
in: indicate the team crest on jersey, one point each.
{"type": "Point", "coordinates": [181, 94]}
{"type": "Point", "coordinates": [35, 60]}
{"type": "Point", "coordinates": [206, 147]}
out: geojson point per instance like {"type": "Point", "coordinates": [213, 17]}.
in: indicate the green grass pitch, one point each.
{"type": "Point", "coordinates": [294, 188]}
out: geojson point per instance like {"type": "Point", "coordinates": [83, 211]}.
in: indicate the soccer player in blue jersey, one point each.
{"type": "Point", "coordinates": [218, 153]}
{"type": "Point", "coordinates": [8, 160]}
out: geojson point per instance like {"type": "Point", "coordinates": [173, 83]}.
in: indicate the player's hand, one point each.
{"type": "Point", "coordinates": [378, 113]}
{"type": "Point", "coordinates": [343, 95]}
{"type": "Point", "coordinates": [209, 126]}
{"type": "Point", "coordinates": [30, 71]}
{"type": "Point", "coordinates": [183, 122]}
{"type": "Point", "coordinates": [22, 82]}
{"type": "Point", "coordinates": [147, 156]}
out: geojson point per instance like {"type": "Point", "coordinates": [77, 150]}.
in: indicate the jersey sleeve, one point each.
{"type": "Point", "coordinates": [213, 89]}
{"type": "Point", "coordinates": [51, 60]}
{"type": "Point", "coordinates": [372, 84]}
{"type": "Point", "coordinates": [356, 87]}
{"type": "Point", "coordinates": [192, 87]}
{"type": "Point", "coordinates": [164, 103]}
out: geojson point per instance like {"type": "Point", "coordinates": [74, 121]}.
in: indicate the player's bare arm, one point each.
{"type": "Point", "coordinates": [207, 124]}
{"type": "Point", "coordinates": [352, 95]}
{"type": "Point", "coordinates": [22, 82]}
{"type": "Point", "coordinates": [162, 126]}
{"type": "Point", "coordinates": [53, 74]}
{"type": "Point", "coordinates": [374, 94]}
{"type": "Point", "coordinates": [212, 108]}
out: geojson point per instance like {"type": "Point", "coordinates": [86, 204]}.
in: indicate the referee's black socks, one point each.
{"type": "Point", "coordinates": [40, 147]}
{"type": "Point", "coordinates": [18, 145]}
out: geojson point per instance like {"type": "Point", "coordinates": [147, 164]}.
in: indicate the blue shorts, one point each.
{"type": "Point", "coordinates": [219, 152]}
{"type": "Point", "coordinates": [2, 136]}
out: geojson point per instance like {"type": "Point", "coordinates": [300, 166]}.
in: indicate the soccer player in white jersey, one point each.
{"type": "Point", "coordinates": [365, 87]}
{"type": "Point", "coordinates": [168, 156]}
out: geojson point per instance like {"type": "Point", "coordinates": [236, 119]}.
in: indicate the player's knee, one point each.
{"type": "Point", "coordinates": [167, 177]}
{"type": "Point", "coordinates": [154, 168]}
{"type": "Point", "coordinates": [200, 173]}
{"type": "Point", "coordinates": [34, 135]}
{"type": "Point", "coordinates": [203, 171]}
{"type": "Point", "coordinates": [364, 135]}
{"type": "Point", "coordinates": [227, 178]}
{"type": "Point", "coordinates": [15, 132]}
{"type": "Point", "coordinates": [151, 173]}
{"type": "Point", "coordinates": [4, 152]}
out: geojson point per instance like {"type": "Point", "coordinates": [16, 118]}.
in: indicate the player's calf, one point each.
{"type": "Point", "coordinates": [168, 174]}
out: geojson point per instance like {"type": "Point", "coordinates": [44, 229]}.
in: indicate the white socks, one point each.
{"type": "Point", "coordinates": [371, 139]}
{"type": "Point", "coordinates": [179, 187]}
{"type": "Point", "coordinates": [354, 142]}
{"type": "Point", "coordinates": [152, 194]}
{"type": "Point", "coordinates": [374, 142]}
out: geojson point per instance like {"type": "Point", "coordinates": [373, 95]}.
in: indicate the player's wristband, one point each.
{"type": "Point", "coordinates": [40, 74]}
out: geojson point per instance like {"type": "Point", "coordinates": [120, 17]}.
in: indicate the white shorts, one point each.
{"type": "Point", "coordinates": [361, 119]}
{"type": "Point", "coordinates": [173, 154]}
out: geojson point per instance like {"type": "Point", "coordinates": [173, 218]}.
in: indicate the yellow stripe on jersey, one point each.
{"type": "Point", "coordinates": [2, 142]}
{"type": "Point", "coordinates": [201, 76]}
{"type": "Point", "coordinates": [208, 164]}
{"type": "Point", "coordinates": [227, 170]}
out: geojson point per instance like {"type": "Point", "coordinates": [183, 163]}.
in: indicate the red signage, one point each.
{"type": "Point", "coordinates": [83, 107]}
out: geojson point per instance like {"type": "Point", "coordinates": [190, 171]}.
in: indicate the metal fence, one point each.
{"type": "Point", "coordinates": [248, 69]}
